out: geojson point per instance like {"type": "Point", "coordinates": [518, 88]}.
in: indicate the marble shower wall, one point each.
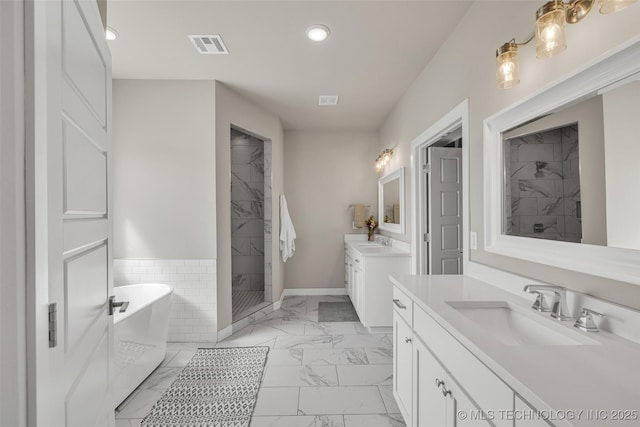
{"type": "Point", "coordinates": [250, 212]}
{"type": "Point", "coordinates": [543, 191]}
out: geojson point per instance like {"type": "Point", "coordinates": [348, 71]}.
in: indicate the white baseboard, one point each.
{"type": "Point", "coordinates": [314, 291]}
{"type": "Point", "coordinates": [225, 333]}
{"type": "Point", "coordinates": [243, 323]}
{"type": "Point", "coordinates": [278, 304]}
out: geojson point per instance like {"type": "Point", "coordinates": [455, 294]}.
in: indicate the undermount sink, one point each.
{"type": "Point", "coordinates": [513, 325]}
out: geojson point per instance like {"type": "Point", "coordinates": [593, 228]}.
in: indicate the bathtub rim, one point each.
{"type": "Point", "coordinates": [168, 291]}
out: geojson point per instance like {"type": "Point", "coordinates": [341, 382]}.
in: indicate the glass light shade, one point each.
{"type": "Point", "coordinates": [551, 36]}
{"type": "Point", "coordinates": [610, 6]}
{"type": "Point", "coordinates": [507, 66]}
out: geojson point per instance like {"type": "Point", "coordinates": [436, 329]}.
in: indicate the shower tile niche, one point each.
{"type": "Point", "coordinates": [542, 185]}
{"type": "Point", "coordinates": [250, 220]}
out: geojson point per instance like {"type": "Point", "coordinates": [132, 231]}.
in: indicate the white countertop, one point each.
{"type": "Point", "coordinates": [360, 244]}
{"type": "Point", "coordinates": [604, 376]}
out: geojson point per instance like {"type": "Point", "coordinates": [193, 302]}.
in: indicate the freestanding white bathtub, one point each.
{"type": "Point", "coordinates": [140, 335]}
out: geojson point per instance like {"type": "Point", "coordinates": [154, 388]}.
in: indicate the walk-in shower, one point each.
{"type": "Point", "coordinates": [250, 223]}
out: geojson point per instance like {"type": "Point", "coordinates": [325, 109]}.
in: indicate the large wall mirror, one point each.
{"type": "Point", "coordinates": [562, 174]}
{"type": "Point", "coordinates": [391, 205]}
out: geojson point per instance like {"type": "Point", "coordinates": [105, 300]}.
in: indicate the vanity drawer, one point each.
{"type": "Point", "coordinates": [482, 385]}
{"type": "Point", "coordinates": [403, 305]}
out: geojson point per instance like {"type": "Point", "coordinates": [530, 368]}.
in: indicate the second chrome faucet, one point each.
{"type": "Point", "coordinates": [558, 308]}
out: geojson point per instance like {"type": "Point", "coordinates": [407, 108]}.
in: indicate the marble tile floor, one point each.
{"type": "Point", "coordinates": [317, 374]}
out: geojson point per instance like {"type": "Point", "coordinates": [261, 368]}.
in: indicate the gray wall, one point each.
{"type": "Point", "coordinates": [326, 172]}
{"type": "Point", "coordinates": [233, 109]}
{"type": "Point", "coordinates": [463, 68]}
{"type": "Point", "coordinates": [164, 169]}
{"type": "Point", "coordinates": [622, 151]}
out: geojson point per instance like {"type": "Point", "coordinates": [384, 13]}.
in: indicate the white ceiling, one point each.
{"type": "Point", "coordinates": [375, 51]}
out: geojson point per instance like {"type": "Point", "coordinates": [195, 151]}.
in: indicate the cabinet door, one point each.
{"type": "Point", "coordinates": [349, 278]}
{"type": "Point", "coordinates": [526, 416]}
{"type": "Point", "coordinates": [346, 273]}
{"type": "Point", "coordinates": [461, 412]}
{"type": "Point", "coordinates": [403, 366]}
{"type": "Point", "coordinates": [358, 291]}
{"type": "Point", "coordinates": [429, 403]}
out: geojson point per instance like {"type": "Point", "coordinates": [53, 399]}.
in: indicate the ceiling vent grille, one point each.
{"type": "Point", "coordinates": [209, 45]}
{"type": "Point", "coordinates": [328, 100]}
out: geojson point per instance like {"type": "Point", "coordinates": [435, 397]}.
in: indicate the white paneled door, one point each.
{"type": "Point", "coordinates": [71, 256]}
{"type": "Point", "coordinates": [445, 210]}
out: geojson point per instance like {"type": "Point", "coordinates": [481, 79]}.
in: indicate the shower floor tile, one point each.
{"type": "Point", "coordinates": [243, 301]}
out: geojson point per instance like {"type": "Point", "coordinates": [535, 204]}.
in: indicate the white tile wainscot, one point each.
{"type": "Point", "coordinates": [193, 315]}
{"type": "Point", "coordinates": [573, 383]}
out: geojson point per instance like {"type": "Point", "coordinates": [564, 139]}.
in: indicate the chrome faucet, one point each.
{"type": "Point", "coordinates": [559, 309]}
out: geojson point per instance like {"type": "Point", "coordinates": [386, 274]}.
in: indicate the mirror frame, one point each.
{"type": "Point", "coordinates": [608, 71]}
{"type": "Point", "coordinates": [393, 228]}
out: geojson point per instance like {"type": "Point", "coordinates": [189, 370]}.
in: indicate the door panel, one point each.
{"type": "Point", "coordinates": [71, 124]}
{"type": "Point", "coordinates": [82, 60]}
{"type": "Point", "coordinates": [85, 293]}
{"type": "Point", "coordinates": [444, 184]}
{"type": "Point", "coordinates": [81, 233]}
{"type": "Point", "coordinates": [81, 406]}
{"type": "Point", "coordinates": [85, 174]}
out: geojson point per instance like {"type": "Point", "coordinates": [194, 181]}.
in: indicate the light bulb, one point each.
{"type": "Point", "coordinates": [551, 37]}
{"type": "Point", "coordinates": [507, 67]}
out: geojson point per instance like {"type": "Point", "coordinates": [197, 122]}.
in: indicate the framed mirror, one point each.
{"type": "Point", "coordinates": [562, 185]}
{"type": "Point", "coordinates": [391, 207]}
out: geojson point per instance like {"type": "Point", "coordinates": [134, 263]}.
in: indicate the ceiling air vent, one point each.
{"type": "Point", "coordinates": [328, 100]}
{"type": "Point", "coordinates": [209, 45]}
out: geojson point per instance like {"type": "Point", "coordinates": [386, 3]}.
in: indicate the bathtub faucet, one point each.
{"type": "Point", "coordinates": [113, 304]}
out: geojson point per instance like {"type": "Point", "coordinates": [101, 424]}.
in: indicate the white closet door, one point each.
{"type": "Point", "coordinates": [445, 210]}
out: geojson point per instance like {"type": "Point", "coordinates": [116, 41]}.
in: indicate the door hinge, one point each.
{"type": "Point", "coordinates": [53, 325]}
{"type": "Point", "coordinates": [427, 237]}
{"type": "Point", "coordinates": [426, 168]}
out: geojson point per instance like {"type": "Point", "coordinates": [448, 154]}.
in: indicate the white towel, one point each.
{"type": "Point", "coordinates": [287, 232]}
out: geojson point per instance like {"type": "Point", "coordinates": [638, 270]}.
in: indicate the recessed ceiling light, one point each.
{"type": "Point", "coordinates": [318, 33]}
{"type": "Point", "coordinates": [111, 34]}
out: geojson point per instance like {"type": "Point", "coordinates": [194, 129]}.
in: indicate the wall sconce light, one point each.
{"type": "Point", "coordinates": [550, 34]}
{"type": "Point", "coordinates": [507, 66]}
{"type": "Point", "coordinates": [383, 159]}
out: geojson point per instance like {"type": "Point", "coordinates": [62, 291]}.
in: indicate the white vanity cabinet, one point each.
{"type": "Point", "coordinates": [436, 380]}
{"type": "Point", "coordinates": [526, 416]}
{"type": "Point", "coordinates": [439, 399]}
{"type": "Point", "coordinates": [367, 271]}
